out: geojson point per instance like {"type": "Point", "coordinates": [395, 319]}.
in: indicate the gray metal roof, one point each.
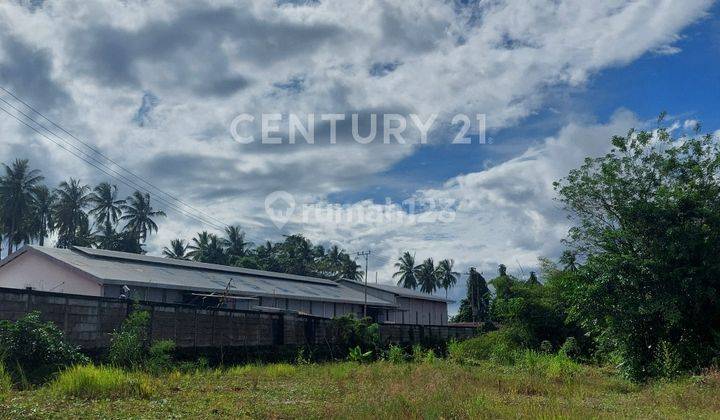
{"type": "Point", "coordinates": [111, 267]}
{"type": "Point", "coordinates": [403, 292]}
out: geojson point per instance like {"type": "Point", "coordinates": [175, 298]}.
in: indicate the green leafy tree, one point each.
{"type": "Point", "coordinates": [406, 273]}
{"type": "Point", "coordinates": [533, 280]}
{"type": "Point", "coordinates": [647, 221]}
{"type": "Point", "coordinates": [207, 248]}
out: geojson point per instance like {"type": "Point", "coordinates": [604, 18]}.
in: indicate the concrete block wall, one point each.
{"type": "Point", "coordinates": [88, 321]}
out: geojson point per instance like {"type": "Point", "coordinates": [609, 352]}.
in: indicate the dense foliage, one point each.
{"type": "Point", "coordinates": [32, 350]}
{"type": "Point", "coordinates": [647, 225]}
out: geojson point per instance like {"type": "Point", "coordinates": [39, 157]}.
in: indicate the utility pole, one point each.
{"type": "Point", "coordinates": [365, 254]}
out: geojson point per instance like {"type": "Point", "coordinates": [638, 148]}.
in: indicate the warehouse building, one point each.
{"type": "Point", "coordinates": [95, 272]}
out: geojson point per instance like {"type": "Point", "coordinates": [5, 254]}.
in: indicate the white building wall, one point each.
{"type": "Point", "coordinates": [41, 273]}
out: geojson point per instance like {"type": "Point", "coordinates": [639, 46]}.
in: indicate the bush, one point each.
{"type": "Point", "coordinates": [546, 347]}
{"type": "Point", "coordinates": [351, 332]}
{"type": "Point", "coordinates": [552, 366]}
{"type": "Point", "coordinates": [32, 350]}
{"type": "Point", "coordinates": [499, 346]}
{"type": "Point", "coordinates": [357, 355]}
{"type": "Point", "coordinates": [570, 348]}
{"type": "Point", "coordinates": [160, 356]}
{"type": "Point", "coordinates": [127, 346]}
{"type": "Point", "coordinates": [94, 382]}
{"type": "Point", "coordinates": [395, 354]}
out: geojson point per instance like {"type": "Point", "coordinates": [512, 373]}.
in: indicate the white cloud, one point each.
{"type": "Point", "coordinates": [93, 65]}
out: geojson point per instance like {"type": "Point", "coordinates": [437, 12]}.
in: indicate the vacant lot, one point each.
{"type": "Point", "coordinates": [382, 389]}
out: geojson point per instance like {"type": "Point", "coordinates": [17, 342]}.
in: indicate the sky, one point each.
{"type": "Point", "coordinates": [156, 85]}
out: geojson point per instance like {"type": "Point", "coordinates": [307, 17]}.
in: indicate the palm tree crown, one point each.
{"type": "Point", "coordinates": [235, 243]}
{"type": "Point", "coordinates": [107, 207]}
{"type": "Point", "coordinates": [139, 215]}
{"type": "Point", "coordinates": [16, 196]}
{"type": "Point", "coordinates": [177, 250]}
{"type": "Point", "coordinates": [69, 211]}
{"type": "Point", "coordinates": [41, 213]}
{"type": "Point", "coordinates": [446, 277]}
{"type": "Point", "coordinates": [426, 276]}
{"type": "Point", "coordinates": [406, 271]}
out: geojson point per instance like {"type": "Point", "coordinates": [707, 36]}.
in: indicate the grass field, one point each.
{"type": "Point", "coordinates": [439, 389]}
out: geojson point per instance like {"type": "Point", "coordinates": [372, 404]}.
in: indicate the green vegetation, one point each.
{"type": "Point", "coordinates": [535, 387]}
{"type": "Point", "coordinates": [32, 350]}
{"type": "Point", "coordinates": [647, 239]}
{"type": "Point", "coordinates": [95, 382]}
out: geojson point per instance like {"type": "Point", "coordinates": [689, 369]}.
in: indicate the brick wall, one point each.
{"type": "Point", "coordinates": [88, 321]}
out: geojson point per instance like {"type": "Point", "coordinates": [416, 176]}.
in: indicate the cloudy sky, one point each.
{"type": "Point", "coordinates": [154, 85]}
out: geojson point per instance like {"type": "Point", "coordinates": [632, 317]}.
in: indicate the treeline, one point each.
{"type": "Point", "coordinates": [79, 214]}
{"type": "Point", "coordinates": [294, 255]}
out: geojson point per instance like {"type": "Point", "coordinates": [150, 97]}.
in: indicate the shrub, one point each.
{"type": "Point", "coordinates": [160, 356]}
{"type": "Point", "coordinates": [127, 346]}
{"type": "Point", "coordinates": [546, 347]}
{"type": "Point", "coordinates": [553, 366]}
{"type": "Point", "coordinates": [357, 355]}
{"type": "Point", "coordinates": [32, 350]}
{"type": "Point", "coordinates": [570, 348]}
{"type": "Point", "coordinates": [94, 382]}
{"type": "Point", "coordinates": [499, 346]}
{"type": "Point", "coordinates": [395, 354]}
{"type": "Point", "coordinates": [351, 332]}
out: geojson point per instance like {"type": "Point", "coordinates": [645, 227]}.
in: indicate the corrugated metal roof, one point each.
{"type": "Point", "coordinates": [112, 267]}
{"type": "Point", "coordinates": [401, 291]}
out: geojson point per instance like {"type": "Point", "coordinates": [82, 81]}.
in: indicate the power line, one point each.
{"type": "Point", "coordinates": [103, 169]}
{"type": "Point", "coordinates": [94, 150]}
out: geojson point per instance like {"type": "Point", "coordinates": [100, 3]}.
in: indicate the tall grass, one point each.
{"type": "Point", "coordinates": [5, 380]}
{"type": "Point", "coordinates": [94, 382]}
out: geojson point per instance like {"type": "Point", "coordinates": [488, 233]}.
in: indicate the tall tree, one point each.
{"type": "Point", "coordinates": [41, 213]}
{"type": "Point", "coordinates": [235, 244]}
{"type": "Point", "coordinates": [350, 269]}
{"type": "Point", "coordinates": [177, 250]}
{"type": "Point", "coordinates": [447, 278]}
{"type": "Point", "coordinates": [207, 248]}
{"type": "Point", "coordinates": [478, 296]}
{"type": "Point", "coordinates": [16, 197]}
{"type": "Point", "coordinates": [69, 211]}
{"type": "Point", "coordinates": [107, 208]}
{"type": "Point", "coordinates": [406, 271]}
{"type": "Point", "coordinates": [426, 276]}
{"type": "Point", "coordinates": [139, 215]}
{"type": "Point", "coordinates": [569, 260]}
{"type": "Point", "coordinates": [647, 222]}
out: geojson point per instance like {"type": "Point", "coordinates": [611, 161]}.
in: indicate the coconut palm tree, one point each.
{"type": "Point", "coordinates": [16, 196]}
{"type": "Point", "coordinates": [177, 250]}
{"type": "Point", "coordinates": [41, 213]}
{"type": "Point", "coordinates": [107, 207]}
{"type": "Point", "coordinates": [426, 277]}
{"type": "Point", "coordinates": [447, 278]}
{"type": "Point", "coordinates": [69, 211]}
{"type": "Point", "coordinates": [350, 269]}
{"type": "Point", "coordinates": [139, 214]}
{"type": "Point", "coordinates": [207, 248]}
{"type": "Point", "coordinates": [406, 271]}
{"type": "Point", "coordinates": [235, 244]}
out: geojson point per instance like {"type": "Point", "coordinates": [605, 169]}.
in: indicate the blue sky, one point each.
{"type": "Point", "coordinates": [156, 85]}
